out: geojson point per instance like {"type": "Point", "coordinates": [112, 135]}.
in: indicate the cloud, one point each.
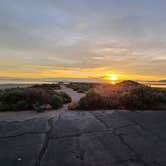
{"type": "Point", "coordinates": [121, 36]}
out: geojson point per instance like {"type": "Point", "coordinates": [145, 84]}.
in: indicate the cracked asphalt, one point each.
{"type": "Point", "coordinates": [98, 138]}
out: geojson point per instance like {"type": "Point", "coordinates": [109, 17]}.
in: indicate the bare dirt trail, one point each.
{"type": "Point", "coordinates": [73, 94]}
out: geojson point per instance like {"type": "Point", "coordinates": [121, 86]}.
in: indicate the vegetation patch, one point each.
{"type": "Point", "coordinates": [124, 95]}
{"type": "Point", "coordinates": [47, 86]}
{"type": "Point", "coordinates": [82, 87]}
{"type": "Point", "coordinates": [38, 99]}
{"type": "Point", "coordinates": [66, 98]}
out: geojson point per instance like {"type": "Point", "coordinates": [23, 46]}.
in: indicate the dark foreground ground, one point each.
{"type": "Point", "coordinates": [110, 138]}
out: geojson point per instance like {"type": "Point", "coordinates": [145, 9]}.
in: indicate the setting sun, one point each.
{"type": "Point", "coordinates": [113, 77]}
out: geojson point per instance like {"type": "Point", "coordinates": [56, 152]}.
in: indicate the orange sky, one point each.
{"type": "Point", "coordinates": [83, 39]}
{"type": "Point", "coordinates": [60, 72]}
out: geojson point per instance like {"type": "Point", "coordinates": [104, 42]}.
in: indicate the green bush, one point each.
{"type": "Point", "coordinates": [66, 98]}
{"type": "Point", "coordinates": [47, 86]}
{"type": "Point", "coordinates": [11, 97]}
{"type": "Point", "coordinates": [57, 101]}
{"type": "Point", "coordinates": [91, 101]}
{"type": "Point", "coordinates": [134, 97]}
{"type": "Point", "coordinates": [4, 107]}
{"type": "Point", "coordinates": [81, 87]}
{"type": "Point", "coordinates": [13, 100]}
{"type": "Point", "coordinates": [31, 99]}
{"type": "Point", "coordinates": [37, 95]}
{"type": "Point", "coordinates": [143, 98]}
{"type": "Point", "coordinates": [94, 101]}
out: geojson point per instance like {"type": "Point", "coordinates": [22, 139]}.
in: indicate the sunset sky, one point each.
{"type": "Point", "coordinates": [83, 38]}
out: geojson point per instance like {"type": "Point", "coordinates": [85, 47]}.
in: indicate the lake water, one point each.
{"type": "Point", "coordinates": [155, 84]}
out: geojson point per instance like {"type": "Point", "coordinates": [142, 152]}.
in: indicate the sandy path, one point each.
{"type": "Point", "coordinates": [25, 115]}
{"type": "Point", "coordinates": [73, 94]}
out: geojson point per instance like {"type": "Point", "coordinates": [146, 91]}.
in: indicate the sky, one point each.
{"type": "Point", "coordinates": [83, 38]}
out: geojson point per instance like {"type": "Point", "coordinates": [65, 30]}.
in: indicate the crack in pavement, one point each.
{"type": "Point", "coordinates": [46, 142]}
{"type": "Point", "coordinates": [148, 131]}
{"type": "Point", "coordinates": [133, 123]}
{"type": "Point", "coordinates": [138, 156]}
{"type": "Point", "coordinates": [81, 152]}
{"type": "Point", "coordinates": [46, 120]}
{"type": "Point", "coordinates": [21, 134]}
{"type": "Point", "coordinates": [100, 120]}
{"type": "Point", "coordinates": [78, 134]}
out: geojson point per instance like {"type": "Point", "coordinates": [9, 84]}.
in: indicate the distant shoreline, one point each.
{"type": "Point", "coordinates": [8, 85]}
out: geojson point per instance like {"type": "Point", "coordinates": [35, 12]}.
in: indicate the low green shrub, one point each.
{"type": "Point", "coordinates": [47, 86]}
{"type": "Point", "coordinates": [91, 101]}
{"type": "Point", "coordinates": [57, 101]}
{"type": "Point", "coordinates": [81, 87]}
{"type": "Point", "coordinates": [143, 98]}
{"type": "Point", "coordinates": [31, 99]}
{"type": "Point", "coordinates": [94, 101]}
{"type": "Point", "coordinates": [137, 97]}
{"type": "Point", "coordinates": [4, 107]}
{"type": "Point", "coordinates": [13, 100]}
{"type": "Point", "coordinates": [66, 98]}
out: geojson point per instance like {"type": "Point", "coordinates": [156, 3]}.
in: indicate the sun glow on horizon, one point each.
{"type": "Point", "coordinates": [113, 77]}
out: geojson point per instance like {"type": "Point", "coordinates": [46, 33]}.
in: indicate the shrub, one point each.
{"type": "Point", "coordinates": [91, 101]}
{"type": "Point", "coordinates": [13, 100]}
{"type": "Point", "coordinates": [94, 101]}
{"type": "Point", "coordinates": [11, 97]}
{"type": "Point", "coordinates": [57, 101]}
{"type": "Point", "coordinates": [129, 97]}
{"type": "Point", "coordinates": [4, 107]}
{"type": "Point", "coordinates": [143, 98]}
{"type": "Point", "coordinates": [37, 95]}
{"type": "Point", "coordinates": [73, 106]}
{"type": "Point", "coordinates": [47, 86]}
{"type": "Point", "coordinates": [66, 98]}
{"type": "Point", "coordinates": [31, 98]}
{"type": "Point", "coordinates": [81, 87]}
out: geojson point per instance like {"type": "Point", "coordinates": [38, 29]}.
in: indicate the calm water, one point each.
{"type": "Point", "coordinates": [155, 84]}
{"type": "Point", "coordinates": [13, 83]}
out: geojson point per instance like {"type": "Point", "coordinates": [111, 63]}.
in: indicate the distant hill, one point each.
{"type": "Point", "coordinates": [127, 83]}
{"type": "Point", "coordinates": [162, 81]}
{"type": "Point", "coordinates": [107, 89]}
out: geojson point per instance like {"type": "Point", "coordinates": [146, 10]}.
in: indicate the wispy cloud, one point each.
{"type": "Point", "coordinates": [121, 36]}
